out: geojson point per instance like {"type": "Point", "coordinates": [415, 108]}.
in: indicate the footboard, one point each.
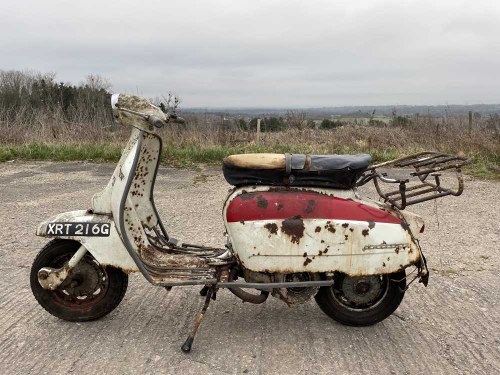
{"type": "Point", "coordinates": [421, 184]}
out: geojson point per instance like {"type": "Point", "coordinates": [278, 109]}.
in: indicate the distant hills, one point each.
{"type": "Point", "coordinates": [385, 110]}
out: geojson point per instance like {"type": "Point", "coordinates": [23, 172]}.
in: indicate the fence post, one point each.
{"type": "Point", "coordinates": [470, 122]}
{"type": "Point", "coordinates": [258, 131]}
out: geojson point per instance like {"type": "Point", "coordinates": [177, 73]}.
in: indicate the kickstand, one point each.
{"type": "Point", "coordinates": [204, 290]}
{"type": "Point", "coordinates": [186, 347]}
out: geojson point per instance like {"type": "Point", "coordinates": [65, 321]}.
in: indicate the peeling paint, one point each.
{"type": "Point", "coordinates": [330, 227]}
{"type": "Point", "coordinates": [294, 227]}
{"type": "Point", "coordinates": [272, 228]}
{"type": "Point", "coordinates": [262, 202]}
{"type": "Point", "coordinates": [310, 206]}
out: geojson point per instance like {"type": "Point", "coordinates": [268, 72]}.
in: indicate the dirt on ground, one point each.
{"type": "Point", "coordinates": [450, 327]}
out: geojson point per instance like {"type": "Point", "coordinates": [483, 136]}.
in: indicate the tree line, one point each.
{"type": "Point", "coordinates": [24, 95]}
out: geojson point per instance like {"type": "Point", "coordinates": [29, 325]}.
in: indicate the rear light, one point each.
{"type": "Point", "coordinates": [422, 229]}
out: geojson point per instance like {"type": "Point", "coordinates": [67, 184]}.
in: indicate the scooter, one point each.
{"type": "Point", "coordinates": [296, 228]}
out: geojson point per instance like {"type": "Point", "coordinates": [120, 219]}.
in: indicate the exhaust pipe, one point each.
{"type": "Point", "coordinates": [245, 296]}
{"type": "Point", "coordinates": [249, 297]}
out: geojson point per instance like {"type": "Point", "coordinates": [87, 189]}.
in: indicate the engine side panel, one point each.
{"type": "Point", "coordinates": [320, 230]}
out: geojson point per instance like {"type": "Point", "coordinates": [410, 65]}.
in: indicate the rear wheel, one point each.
{"type": "Point", "coordinates": [88, 293]}
{"type": "Point", "coordinates": [363, 300]}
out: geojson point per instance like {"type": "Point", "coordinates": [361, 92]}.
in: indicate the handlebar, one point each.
{"type": "Point", "coordinates": [177, 120]}
{"type": "Point", "coordinates": [159, 123]}
{"type": "Point", "coordinates": [150, 115]}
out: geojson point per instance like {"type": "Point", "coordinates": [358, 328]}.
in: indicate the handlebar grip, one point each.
{"type": "Point", "coordinates": [178, 120]}
{"type": "Point", "coordinates": [156, 121]}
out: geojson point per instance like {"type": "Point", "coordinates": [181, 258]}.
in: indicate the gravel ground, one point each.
{"type": "Point", "coordinates": [452, 326]}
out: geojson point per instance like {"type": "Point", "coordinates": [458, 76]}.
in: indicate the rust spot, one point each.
{"type": "Point", "coordinates": [320, 253]}
{"type": "Point", "coordinates": [325, 251]}
{"type": "Point", "coordinates": [329, 226]}
{"type": "Point", "coordinates": [318, 229]}
{"type": "Point", "coordinates": [242, 222]}
{"type": "Point", "coordinates": [351, 229]}
{"type": "Point", "coordinates": [307, 261]}
{"type": "Point", "coordinates": [384, 243]}
{"type": "Point", "coordinates": [346, 237]}
{"type": "Point", "coordinates": [383, 264]}
{"type": "Point", "coordinates": [246, 197]}
{"type": "Point", "coordinates": [261, 202]}
{"type": "Point", "coordinates": [149, 218]}
{"type": "Point", "coordinates": [272, 228]}
{"type": "Point", "coordinates": [294, 227]}
{"type": "Point", "coordinates": [345, 225]}
{"type": "Point", "coordinates": [322, 241]}
{"type": "Point", "coordinates": [365, 232]}
{"type": "Point", "coordinates": [396, 250]}
{"type": "Point", "coordinates": [305, 255]}
{"type": "Point", "coordinates": [405, 226]}
{"type": "Point", "coordinates": [310, 205]}
{"type": "Point", "coordinates": [279, 206]}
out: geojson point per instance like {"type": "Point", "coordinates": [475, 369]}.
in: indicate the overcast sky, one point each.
{"type": "Point", "coordinates": [265, 53]}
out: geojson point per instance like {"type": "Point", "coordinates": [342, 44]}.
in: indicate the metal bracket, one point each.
{"type": "Point", "coordinates": [425, 164]}
{"type": "Point", "coordinates": [50, 278]}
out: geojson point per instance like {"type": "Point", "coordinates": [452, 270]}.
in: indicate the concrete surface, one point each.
{"type": "Point", "coordinates": [453, 326]}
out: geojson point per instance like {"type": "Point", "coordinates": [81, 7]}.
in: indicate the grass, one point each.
{"type": "Point", "coordinates": [61, 152]}
{"type": "Point", "coordinates": [485, 165]}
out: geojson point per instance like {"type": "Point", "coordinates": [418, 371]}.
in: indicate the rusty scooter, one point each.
{"type": "Point", "coordinates": [296, 229]}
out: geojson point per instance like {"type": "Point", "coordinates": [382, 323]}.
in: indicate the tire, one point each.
{"type": "Point", "coordinates": [88, 293]}
{"type": "Point", "coordinates": [346, 304]}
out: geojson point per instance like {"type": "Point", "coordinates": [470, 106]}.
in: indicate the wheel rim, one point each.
{"type": "Point", "coordinates": [360, 293]}
{"type": "Point", "coordinates": [86, 285]}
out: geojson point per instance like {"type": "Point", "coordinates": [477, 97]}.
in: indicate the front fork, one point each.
{"type": "Point", "coordinates": [50, 278]}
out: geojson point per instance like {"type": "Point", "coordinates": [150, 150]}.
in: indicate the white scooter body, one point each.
{"type": "Point", "coordinates": [295, 242]}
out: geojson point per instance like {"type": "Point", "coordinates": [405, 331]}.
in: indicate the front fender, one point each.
{"type": "Point", "coordinates": [108, 251]}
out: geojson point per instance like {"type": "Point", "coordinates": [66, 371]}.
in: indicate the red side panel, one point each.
{"type": "Point", "coordinates": [275, 205]}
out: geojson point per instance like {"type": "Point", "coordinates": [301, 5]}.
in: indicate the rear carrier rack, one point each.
{"type": "Point", "coordinates": [422, 184]}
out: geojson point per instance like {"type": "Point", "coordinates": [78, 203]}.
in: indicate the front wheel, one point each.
{"type": "Point", "coordinates": [88, 293]}
{"type": "Point", "coordinates": [362, 300]}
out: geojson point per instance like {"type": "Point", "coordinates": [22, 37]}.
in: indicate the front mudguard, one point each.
{"type": "Point", "coordinates": [108, 251]}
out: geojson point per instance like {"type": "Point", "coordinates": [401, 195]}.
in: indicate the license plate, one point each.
{"type": "Point", "coordinates": [79, 229]}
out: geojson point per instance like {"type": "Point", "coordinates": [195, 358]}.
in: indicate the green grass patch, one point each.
{"type": "Point", "coordinates": [61, 152]}
{"type": "Point", "coordinates": [484, 165]}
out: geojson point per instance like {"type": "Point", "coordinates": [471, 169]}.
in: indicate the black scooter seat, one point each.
{"type": "Point", "coordinates": [334, 171]}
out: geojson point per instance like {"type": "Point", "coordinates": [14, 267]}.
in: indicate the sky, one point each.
{"type": "Point", "coordinates": [251, 53]}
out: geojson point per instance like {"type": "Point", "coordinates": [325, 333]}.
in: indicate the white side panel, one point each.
{"type": "Point", "coordinates": [326, 245]}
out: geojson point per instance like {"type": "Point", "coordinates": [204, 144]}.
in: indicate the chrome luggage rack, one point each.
{"type": "Point", "coordinates": [417, 188]}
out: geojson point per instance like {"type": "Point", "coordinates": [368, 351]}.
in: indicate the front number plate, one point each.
{"type": "Point", "coordinates": [79, 229]}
